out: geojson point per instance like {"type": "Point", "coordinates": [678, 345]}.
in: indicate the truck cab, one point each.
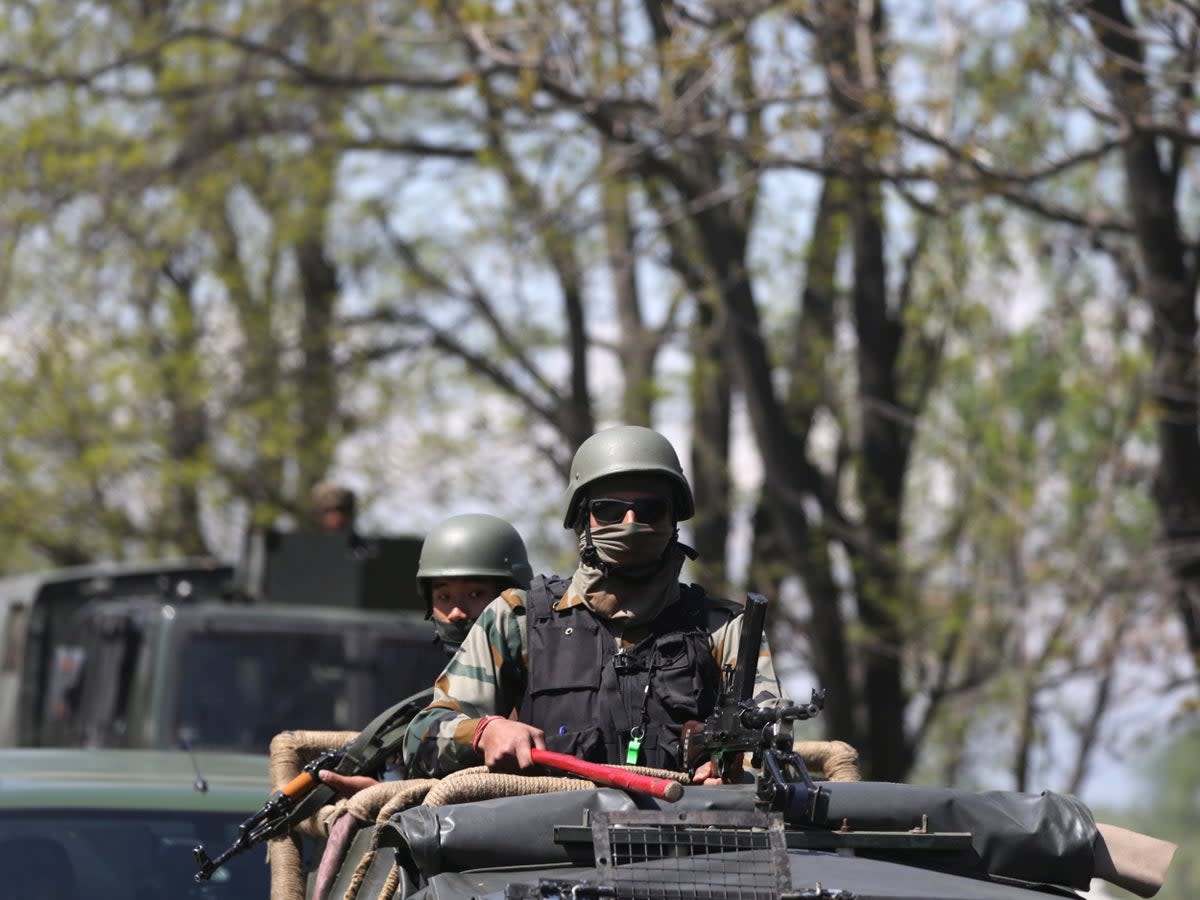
{"type": "Point", "coordinates": [214, 677]}
{"type": "Point", "coordinates": [308, 630]}
{"type": "Point", "coordinates": [43, 616]}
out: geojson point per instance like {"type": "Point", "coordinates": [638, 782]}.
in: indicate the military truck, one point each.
{"type": "Point", "coordinates": [41, 613]}
{"type": "Point", "coordinates": [306, 630]}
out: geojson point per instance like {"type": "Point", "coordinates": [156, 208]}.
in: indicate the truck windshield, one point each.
{"type": "Point", "coordinates": [238, 690]}
{"type": "Point", "coordinates": [122, 853]}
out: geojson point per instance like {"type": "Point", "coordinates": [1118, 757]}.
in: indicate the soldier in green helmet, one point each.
{"type": "Point", "coordinates": [608, 664]}
{"type": "Point", "coordinates": [466, 562]}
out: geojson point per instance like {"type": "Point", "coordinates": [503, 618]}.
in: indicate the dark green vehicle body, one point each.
{"type": "Point", "coordinates": [43, 622]}
{"type": "Point", "coordinates": [230, 678]}
{"type": "Point", "coordinates": [121, 825]}
{"type": "Point", "coordinates": [309, 631]}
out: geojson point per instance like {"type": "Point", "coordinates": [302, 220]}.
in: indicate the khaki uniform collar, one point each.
{"type": "Point", "coordinates": [568, 600]}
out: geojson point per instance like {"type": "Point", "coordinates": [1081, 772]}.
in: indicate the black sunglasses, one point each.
{"type": "Point", "coordinates": [610, 511]}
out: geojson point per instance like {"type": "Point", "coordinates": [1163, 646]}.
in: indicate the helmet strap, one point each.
{"type": "Point", "coordinates": [589, 555]}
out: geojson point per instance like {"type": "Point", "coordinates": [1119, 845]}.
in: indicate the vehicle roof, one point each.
{"type": "Point", "coordinates": [75, 778]}
{"type": "Point", "coordinates": [281, 613]}
{"type": "Point", "coordinates": [114, 570]}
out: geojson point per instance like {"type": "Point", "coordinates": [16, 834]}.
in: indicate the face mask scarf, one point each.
{"type": "Point", "coordinates": [614, 594]}
{"type": "Point", "coordinates": [452, 634]}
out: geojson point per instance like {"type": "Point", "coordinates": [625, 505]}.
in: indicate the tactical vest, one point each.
{"type": "Point", "coordinates": [590, 698]}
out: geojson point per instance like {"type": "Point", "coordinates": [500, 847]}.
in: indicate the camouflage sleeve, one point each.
{"type": "Point", "coordinates": [484, 678]}
{"type": "Point", "coordinates": [726, 639]}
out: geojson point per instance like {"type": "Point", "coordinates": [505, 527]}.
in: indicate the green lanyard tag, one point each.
{"type": "Point", "coordinates": [635, 746]}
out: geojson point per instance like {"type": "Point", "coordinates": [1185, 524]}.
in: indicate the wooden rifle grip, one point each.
{"type": "Point", "coordinates": [690, 755]}
{"type": "Point", "coordinates": [302, 783]}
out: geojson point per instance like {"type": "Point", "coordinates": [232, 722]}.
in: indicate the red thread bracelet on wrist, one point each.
{"type": "Point", "coordinates": [483, 723]}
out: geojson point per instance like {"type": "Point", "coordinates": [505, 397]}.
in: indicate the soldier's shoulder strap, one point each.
{"type": "Point", "coordinates": [383, 736]}
{"type": "Point", "coordinates": [699, 600]}
{"type": "Point", "coordinates": [544, 591]}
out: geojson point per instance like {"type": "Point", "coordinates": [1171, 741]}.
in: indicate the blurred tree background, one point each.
{"type": "Point", "coordinates": [912, 285]}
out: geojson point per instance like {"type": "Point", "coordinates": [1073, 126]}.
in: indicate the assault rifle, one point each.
{"type": "Point", "coordinates": [741, 725]}
{"type": "Point", "coordinates": [367, 754]}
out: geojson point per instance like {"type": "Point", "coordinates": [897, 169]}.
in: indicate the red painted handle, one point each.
{"type": "Point", "coordinates": [662, 788]}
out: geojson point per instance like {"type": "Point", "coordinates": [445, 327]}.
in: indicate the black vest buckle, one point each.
{"type": "Point", "coordinates": [626, 663]}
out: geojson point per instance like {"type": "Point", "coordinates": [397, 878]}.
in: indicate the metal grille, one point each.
{"type": "Point", "coordinates": [691, 856]}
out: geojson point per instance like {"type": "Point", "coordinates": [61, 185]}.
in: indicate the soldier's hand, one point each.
{"type": "Point", "coordinates": [505, 745]}
{"type": "Point", "coordinates": [346, 785]}
{"type": "Point", "coordinates": [706, 773]}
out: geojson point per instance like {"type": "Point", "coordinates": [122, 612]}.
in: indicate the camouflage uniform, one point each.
{"type": "Point", "coordinates": [487, 677]}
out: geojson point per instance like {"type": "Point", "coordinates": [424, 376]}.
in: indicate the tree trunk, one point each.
{"type": "Point", "coordinates": [1169, 280]}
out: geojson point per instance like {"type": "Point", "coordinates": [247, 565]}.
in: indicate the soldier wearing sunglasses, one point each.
{"type": "Point", "coordinates": [609, 663]}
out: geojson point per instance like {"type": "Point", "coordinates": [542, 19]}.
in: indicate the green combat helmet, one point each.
{"type": "Point", "coordinates": [473, 545]}
{"type": "Point", "coordinates": [621, 450]}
